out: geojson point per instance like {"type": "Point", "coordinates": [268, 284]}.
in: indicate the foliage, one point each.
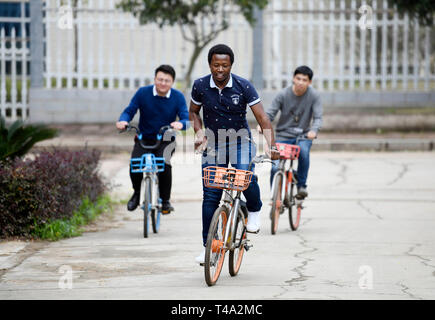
{"type": "Point", "coordinates": [423, 10]}
{"type": "Point", "coordinates": [17, 139]}
{"type": "Point", "coordinates": [71, 227]}
{"type": "Point", "coordinates": [200, 21]}
{"type": "Point", "coordinates": [52, 186]}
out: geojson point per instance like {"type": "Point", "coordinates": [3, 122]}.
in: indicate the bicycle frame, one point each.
{"type": "Point", "coordinates": [282, 172]}
{"type": "Point", "coordinates": [231, 221]}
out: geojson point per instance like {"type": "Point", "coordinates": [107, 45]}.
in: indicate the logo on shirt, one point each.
{"type": "Point", "coordinates": [235, 98]}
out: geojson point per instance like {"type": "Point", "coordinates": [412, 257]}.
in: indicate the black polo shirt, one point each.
{"type": "Point", "coordinates": [226, 108]}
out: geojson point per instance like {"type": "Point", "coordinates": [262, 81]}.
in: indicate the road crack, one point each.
{"type": "Point", "coordinates": [424, 261]}
{"type": "Point", "coordinates": [367, 209]}
{"type": "Point", "coordinates": [401, 173]}
{"type": "Point", "coordinates": [406, 289]}
{"type": "Point", "coordinates": [28, 251]}
{"type": "Point", "coordinates": [305, 260]}
{"type": "Point", "coordinates": [342, 171]}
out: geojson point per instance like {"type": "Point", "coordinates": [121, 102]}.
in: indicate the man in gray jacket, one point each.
{"type": "Point", "coordinates": [301, 114]}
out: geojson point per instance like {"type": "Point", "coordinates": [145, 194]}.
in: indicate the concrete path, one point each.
{"type": "Point", "coordinates": [367, 233]}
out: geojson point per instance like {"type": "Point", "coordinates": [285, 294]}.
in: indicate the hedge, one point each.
{"type": "Point", "coordinates": [51, 186]}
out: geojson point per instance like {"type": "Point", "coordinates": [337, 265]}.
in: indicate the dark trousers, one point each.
{"type": "Point", "coordinates": [166, 150]}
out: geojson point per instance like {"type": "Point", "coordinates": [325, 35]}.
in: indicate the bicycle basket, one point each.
{"type": "Point", "coordinates": [147, 163]}
{"type": "Point", "coordinates": [227, 178]}
{"type": "Point", "coordinates": [288, 151]}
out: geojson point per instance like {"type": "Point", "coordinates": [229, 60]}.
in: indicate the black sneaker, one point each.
{"type": "Point", "coordinates": [134, 201]}
{"type": "Point", "coordinates": [302, 193]}
{"type": "Point", "coordinates": [166, 207]}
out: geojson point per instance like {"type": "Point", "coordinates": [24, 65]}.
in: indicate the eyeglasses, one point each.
{"type": "Point", "coordinates": [161, 80]}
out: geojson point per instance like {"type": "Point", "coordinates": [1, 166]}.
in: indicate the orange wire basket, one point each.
{"type": "Point", "coordinates": [288, 151]}
{"type": "Point", "coordinates": [227, 178]}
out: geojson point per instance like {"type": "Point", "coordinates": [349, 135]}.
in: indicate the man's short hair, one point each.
{"type": "Point", "coordinates": [305, 71]}
{"type": "Point", "coordinates": [166, 68]}
{"type": "Point", "coordinates": [220, 49]}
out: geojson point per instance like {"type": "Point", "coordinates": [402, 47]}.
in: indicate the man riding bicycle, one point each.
{"type": "Point", "coordinates": [224, 98]}
{"type": "Point", "coordinates": [159, 105]}
{"type": "Point", "coordinates": [301, 115]}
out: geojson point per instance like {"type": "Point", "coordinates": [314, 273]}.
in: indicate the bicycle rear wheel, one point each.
{"type": "Point", "coordinates": [146, 207]}
{"type": "Point", "coordinates": [276, 203]}
{"type": "Point", "coordinates": [239, 240]}
{"type": "Point", "coordinates": [215, 251]}
{"type": "Point", "coordinates": [294, 210]}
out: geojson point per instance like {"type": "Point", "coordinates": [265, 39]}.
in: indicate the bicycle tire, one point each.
{"type": "Point", "coordinates": [146, 207]}
{"type": "Point", "coordinates": [214, 250]}
{"type": "Point", "coordinates": [235, 256]}
{"type": "Point", "coordinates": [156, 215]}
{"type": "Point", "coordinates": [294, 211]}
{"type": "Point", "coordinates": [276, 203]}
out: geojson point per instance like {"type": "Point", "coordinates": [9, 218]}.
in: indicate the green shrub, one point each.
{"type": "Point", "coordinates": [50, 187]}
{"type": "Point", "coordinates": [65, 228]}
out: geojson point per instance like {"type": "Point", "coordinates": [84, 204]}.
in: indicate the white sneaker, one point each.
{"type": "Point", "coordinates": [200, 259]}
{"type": "Point", "coordinates": [253, 224]}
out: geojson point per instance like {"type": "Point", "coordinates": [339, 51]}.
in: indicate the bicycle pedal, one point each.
{"type": "Point", "coordinates": [247, 247]}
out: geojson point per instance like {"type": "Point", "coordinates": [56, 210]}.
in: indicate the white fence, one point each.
{"type": "Point", "coordinates": [14, 85]}
{"type": "Point", "coordinates": [101, 47]}
{"type": "Point", "coordinates": [395, 53]}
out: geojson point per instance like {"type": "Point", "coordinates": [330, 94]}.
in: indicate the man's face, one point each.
{"type": "Point", "coordinates": [220, 67]}
{"type": "Point", "coordinates": [301, 83]}
{"type": "Point", "coordinates": [163, 82]}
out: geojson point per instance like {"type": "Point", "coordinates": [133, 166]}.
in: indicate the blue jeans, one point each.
{"type": "Point", "coordinates": [239, 155]}
{"type": "Point", "coordinates": [303, 162]}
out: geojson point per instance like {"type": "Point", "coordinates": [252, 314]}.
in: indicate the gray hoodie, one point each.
{"type": "Point", "coordinates": [297, 112]}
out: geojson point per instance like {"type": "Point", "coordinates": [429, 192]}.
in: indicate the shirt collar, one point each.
{"type": "Point", "coordinates": [155, 92]}
{"type": "Point", "coordinates": [228, 85]}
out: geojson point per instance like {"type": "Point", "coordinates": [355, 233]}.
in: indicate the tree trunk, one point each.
{"type": "Point", "coordinates": [187, 78]}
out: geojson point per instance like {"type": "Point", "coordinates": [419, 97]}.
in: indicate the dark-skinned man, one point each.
{"type": "Point", "coordinates": [224, 98]}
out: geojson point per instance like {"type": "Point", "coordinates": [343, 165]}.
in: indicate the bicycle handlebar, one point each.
{"type": "Point", "coordinates": [139, 135]}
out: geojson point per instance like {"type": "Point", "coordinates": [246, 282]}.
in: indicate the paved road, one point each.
{"type": "Point", "coordinates": [367, 233]}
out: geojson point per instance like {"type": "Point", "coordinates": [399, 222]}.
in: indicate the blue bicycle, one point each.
{"type": "Point", "coordinates": [150, 166]}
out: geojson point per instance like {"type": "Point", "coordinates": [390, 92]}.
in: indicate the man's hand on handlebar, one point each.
{"type": "Point", "coordinates": [121, 125]}
{"type": "Point", "coordinates": [177, 125]}
{"type": "Point", "coordinates": [311, 135]}
{"type": "Point", "coordinates": [273, 153]}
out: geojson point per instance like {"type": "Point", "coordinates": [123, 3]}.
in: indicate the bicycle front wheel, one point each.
{"type": "Point", "coordinates": [215, 251]}
{"type": "Point", "coordinates": [146, 207]}
{"type": "Point", "coordinates": [239, 240]}
{"type": "Point", "coordinates": [294, 210]}
{"type": "Point", "coordinates": [276, 203]}
{"type": "Point", "coordinates": [155, 215]}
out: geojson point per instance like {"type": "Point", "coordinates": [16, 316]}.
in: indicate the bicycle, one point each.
{"type": "Point", "coordinates": [227, 230]}
{"type": "Point", "coordinates": [283, 186]}
{"type": "Point", "coordinates": [150, 165]}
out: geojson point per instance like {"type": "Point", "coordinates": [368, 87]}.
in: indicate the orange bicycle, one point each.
{"type": "Point", "coordinates": [283, 188]}
{"type": "Point", "coordinates": [227, 230]}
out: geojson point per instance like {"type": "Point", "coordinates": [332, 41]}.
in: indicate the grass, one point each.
{"type": "Point", "coordinates": [66, 228]}
{"type": "Point", "coordinates": [19, 85]}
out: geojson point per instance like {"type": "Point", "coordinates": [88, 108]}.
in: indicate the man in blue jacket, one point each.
{"type": "Point", "coordinates": [159, 105]}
